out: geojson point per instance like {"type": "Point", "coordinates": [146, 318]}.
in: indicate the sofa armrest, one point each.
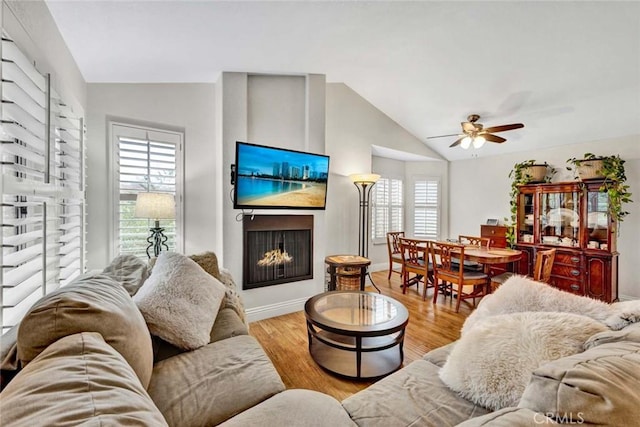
{"type": "Point", "coordinates": [439, 355]}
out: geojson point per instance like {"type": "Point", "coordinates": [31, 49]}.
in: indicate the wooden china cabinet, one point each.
{"type": "Point", "coordinates": [573, 218]}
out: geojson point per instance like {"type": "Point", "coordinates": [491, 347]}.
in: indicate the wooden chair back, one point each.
{"type": "Point", "coordinates": [393, 242]}
{"type": "Point", "coordinates": [544, 264]}
{"type": "Point", "coordinates": [393, 248]}
{"type": "Point", "coordinates": [474, 241]}
{"type": "Point", "coordinates": [415, 260]}
{"type": "Point", "coordinates": [448, 266]}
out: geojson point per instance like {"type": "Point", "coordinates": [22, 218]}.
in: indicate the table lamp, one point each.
{"type": "Point", "coordinates": [155, 206]}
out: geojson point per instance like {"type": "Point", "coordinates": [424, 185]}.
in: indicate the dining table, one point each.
{"type": "Point", "coordinates": [488, 256]}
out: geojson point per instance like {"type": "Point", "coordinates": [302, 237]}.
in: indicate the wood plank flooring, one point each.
{"type": "Point", "coordinates": [284, 338]}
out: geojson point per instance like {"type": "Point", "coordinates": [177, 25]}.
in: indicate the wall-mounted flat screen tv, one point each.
{"type": "Point", "coordinates": [276, 178]}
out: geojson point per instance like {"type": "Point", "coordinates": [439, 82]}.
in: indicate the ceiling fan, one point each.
{"type": "Point", "coordinates": [473, 132]}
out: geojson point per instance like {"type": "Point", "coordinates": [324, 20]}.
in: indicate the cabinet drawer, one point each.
{"type": "Point", "coordinates": [567, 258]}
{"type": "Point", "coordinates": [572, 272]}
{"type": "Point", "coordinates": [562, 283]}
{"type": "Point", "coordinates": [497, 234]}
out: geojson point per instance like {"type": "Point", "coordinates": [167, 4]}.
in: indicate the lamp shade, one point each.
{"type": "Point", "coordinates": [155, 206]}
{"type": "Point", "coordinates": [369, 178]}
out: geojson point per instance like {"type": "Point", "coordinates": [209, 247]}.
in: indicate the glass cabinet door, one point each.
{"type": "Point", "coordinates": [559, 220]}
{"type": "Point", "coordinates": [597, 220]}
{"type": "Point", "coordinates": [525, 218]}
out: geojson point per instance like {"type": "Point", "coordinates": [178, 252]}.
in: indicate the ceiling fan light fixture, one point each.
{"type": "Point", "coordinates": [478, 141]}
{"type": "Point", "coordinates": [466, 142]}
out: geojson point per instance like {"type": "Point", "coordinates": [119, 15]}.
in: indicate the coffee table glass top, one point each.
{"type": "Point", "coordinates": [356, 310]}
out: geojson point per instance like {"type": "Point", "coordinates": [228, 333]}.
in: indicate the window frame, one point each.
{"type": "Point", "coordinates": [151, 133]}
{"type": "Point", "coordinates": [416, 206]}
{"type": "Point", "coordinates": [389, 207]}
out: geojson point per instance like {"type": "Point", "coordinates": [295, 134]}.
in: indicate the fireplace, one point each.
{"type": "Point", "coordinates": [276, 249]}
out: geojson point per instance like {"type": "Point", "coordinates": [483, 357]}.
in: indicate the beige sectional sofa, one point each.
{"type": "Point", "coordinates": [83, 355]}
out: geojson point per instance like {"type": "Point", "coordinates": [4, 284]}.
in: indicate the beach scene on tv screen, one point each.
{"type": "Point", "coordinates": [273, 177]}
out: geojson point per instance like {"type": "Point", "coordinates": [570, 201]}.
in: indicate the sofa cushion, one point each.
{"type": "Point", "coordinates": [510, 417]}
{"type": "Point", "coordinates": [596, 387]}
{"type": "Point", "coordinates": [439, 355]}
{"type": "Point", "coordinates": [629, 333]}
{"type": "Point", "coordinates": [180, 301]}
{"type": "Point", "coordinates": [412, 396]}
{"type": "Point", "coordinates": [128, 270]}
{"type": "Point", "coordinates": [227, 325]}
{"type": "Point", "coordinates": [300, 408]}
{"type": "Point", "coordinates": [491, 363]}
{"type": "Point", "coordinates": [213, 383]}
{"type": "Point", "coordinates": [78, 380]}
{"type": "Point", "coordinates": [90, 304]}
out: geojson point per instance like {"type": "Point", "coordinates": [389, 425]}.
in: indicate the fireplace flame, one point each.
{"type": "Point", "coordinates": [275, 257]}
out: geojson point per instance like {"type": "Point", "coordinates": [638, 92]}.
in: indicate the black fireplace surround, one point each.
{"type": "Point", "coordinates": [276, 249]}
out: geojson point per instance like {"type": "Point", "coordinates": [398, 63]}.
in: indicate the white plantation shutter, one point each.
{"type": "Point", "coordinates": [147, 160]}
{"type": "Point", "coordinates": [42, 182]}
{"type": "Point", "coordinates": [387, 208]}
{"type": "Point", "coordinates": [426, 220]}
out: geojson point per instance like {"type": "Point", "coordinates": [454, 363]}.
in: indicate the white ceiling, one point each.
{"type": "Point", "coordinates": [570, 71]}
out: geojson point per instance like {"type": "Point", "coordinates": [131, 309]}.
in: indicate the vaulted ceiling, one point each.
{"type": "Point", "coordinates": [570, 71]}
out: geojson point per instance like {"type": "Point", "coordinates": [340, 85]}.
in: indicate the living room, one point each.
{"type": "Point", "coordinates": [309, 110]}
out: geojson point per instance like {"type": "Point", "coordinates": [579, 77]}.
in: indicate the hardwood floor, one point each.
{"type": "Point", "coordinates": [284, 338]}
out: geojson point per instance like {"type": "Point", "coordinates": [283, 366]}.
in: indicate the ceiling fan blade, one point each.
{"type": "Point", "coordinates": [468, 127]}
{"type": "Point", "coordinates": [503, 128]}
{"type": "Point", "coordinates": [442, 136]}
{"type": "Point", "coordinates": [457, 142]}
{"type": "Point", "coordinates": [493, 138]}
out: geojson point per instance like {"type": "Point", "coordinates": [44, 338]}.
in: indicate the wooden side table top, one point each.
{"type": "Point", "coordinates": [347, 260]}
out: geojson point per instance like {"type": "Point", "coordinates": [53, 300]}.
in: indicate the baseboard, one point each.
{"type": "Point", "coordinates": [379, 267]}
{"type": "Point", "coordinates": [272, 310]}
{"type": "Point", "coordinates": [627, 298]}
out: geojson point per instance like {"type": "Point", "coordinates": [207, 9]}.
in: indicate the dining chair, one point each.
{"type": "Point", "coordinates": [393, 248]}
{"type": "Point", "coordinates": [480, 242]}
{"type": "Point", "coordinates": [444, 269]}
{"type": "Point", "coordinates": [415, 260]}
{"type": "Point", "coordinates": [541, 271]}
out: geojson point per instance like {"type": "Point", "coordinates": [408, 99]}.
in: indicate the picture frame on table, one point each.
{"type": "Point", "coordinates": [492, 221]}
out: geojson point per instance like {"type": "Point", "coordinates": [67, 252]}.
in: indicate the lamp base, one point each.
{"type": "Point", "coordinates": [157, 240]}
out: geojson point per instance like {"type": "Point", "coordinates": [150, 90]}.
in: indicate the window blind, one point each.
{"type": "Point", "coordinates": [387, 208]}
{"type": "Point", "coordinates": [426, 219]}
{"type": "Point", "coordinates": [147, 160]}
{"type": "Point", "coordinates": [41, 177]}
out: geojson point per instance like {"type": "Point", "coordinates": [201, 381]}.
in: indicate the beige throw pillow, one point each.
{"type": "Point", "coordinates": [92, 303]}
{"type": "Point", "coordinates": [492, 362]}
{"type": "Point", "coordinates": [180, 301]}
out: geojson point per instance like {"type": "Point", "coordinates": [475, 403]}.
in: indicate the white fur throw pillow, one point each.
{"type": "Point", "coordinates": [180, 301]}
{"type": "Point", "coordinates": [520, 293]}
{"type": "Point", "coordinates": [492, 363]}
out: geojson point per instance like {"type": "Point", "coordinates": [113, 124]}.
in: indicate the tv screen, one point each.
{"type": "Point", "coordinates": [275, 178]}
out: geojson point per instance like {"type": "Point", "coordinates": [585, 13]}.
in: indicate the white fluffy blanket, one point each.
{"type": "Point", "coordinates": [492, 363]}
{"type": "Point", "coordinates": [520, 293]}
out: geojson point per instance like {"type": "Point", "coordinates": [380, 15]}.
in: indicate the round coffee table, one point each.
{"type": "Point", "coordinates": [356, 334]}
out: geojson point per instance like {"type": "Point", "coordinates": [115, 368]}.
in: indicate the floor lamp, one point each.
{"type": "Point", "coordinates": [156, 206]}
{"type": "Point", "coordinates": [364, 182]}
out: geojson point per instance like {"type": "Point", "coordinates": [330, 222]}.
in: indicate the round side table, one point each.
{"type": "Point", "coordinates": [346, 272]}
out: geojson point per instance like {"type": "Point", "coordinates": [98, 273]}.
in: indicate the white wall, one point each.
{"type": "Point", "coordinates": [479, 189]}
{"type": "Point", "coordinates": [279, 111]}
{"type": "Point", "coordinates": [409, 171]}
{"type": "Point", "coordinates": [31, 26]}
{"type": "Point", "coordinates": [189, 108]}
{"type": "Point", "coordinates": [353, 126]}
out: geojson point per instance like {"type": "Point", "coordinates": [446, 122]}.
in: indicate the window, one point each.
{"type": "Point", "coordinates": [426, 218]}
{"type": "Point", "coordinates": [146, 160]}
{"type": "Point", "coordinates": [387, 198]}
{"type": "Point", "coordinates": [42, 182]}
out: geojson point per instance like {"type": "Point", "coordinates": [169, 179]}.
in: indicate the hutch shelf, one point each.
{"type": "Point", "coordinates": [573, 218]}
